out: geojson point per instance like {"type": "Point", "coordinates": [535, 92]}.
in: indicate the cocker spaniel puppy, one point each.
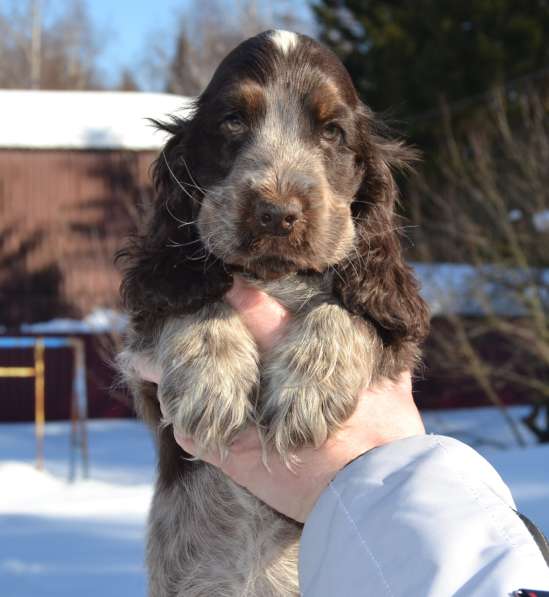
{"type": "Point", "coordinates": [283, 176]}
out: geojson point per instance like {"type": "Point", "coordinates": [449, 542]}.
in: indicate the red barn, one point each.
{"type": "Point", "coordinates": [73, 165]}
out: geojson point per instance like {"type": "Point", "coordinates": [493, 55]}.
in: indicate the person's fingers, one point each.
{"type": "Point", "coordinates": [247, 442]}
{"type": "Point", "coordinates": [242, 462]}
{"type": "Point", "coordinates": [189, 445]}
{"type": "Point", "coordinates": [265, 317]}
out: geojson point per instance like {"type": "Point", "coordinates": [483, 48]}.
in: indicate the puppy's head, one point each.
{"type": "Point", "coordinates": [280, 156]}
{"type": "Point", "coordinates": [281, 168]}
{"type": "Point", "coordinates": [276, 149]}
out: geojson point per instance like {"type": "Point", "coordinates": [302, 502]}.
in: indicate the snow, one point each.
{"type": "Point", "coordinates": [59, 538]}
{"type": "Point", "coordinates": [541, 220]}
{"type": "Point", "coordinates": [85, 119]}
{"type": "Point", "coordinates": [468, 290]}
{"type": "Point", "coordinates": [98, 321]}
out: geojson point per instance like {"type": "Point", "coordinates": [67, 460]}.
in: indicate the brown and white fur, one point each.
{"type": "Point", "coordinates": [284, 176]}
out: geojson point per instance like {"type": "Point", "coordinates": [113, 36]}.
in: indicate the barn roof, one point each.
{"type": "Point", "coordinates": [84, 119]}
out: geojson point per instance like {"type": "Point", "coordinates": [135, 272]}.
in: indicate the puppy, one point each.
{"type": "Point", "coordinates": [283, 176]}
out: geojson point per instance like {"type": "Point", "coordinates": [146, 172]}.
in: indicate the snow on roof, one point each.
{"type": "Point", "coordinates": [85, 119]}
{"type": "Point", "coordinates": [467, 290]}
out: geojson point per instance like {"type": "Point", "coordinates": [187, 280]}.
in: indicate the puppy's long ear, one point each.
{"type": "Point", "coordinates": [376, 283]}
{"type": "Point", "coordinates": [166, 269]}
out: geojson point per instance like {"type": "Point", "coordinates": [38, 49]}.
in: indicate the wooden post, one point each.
{"type": "Point", "coordinates": [79, 400]}
{"type": "Point", "coordinates": [39, 402]}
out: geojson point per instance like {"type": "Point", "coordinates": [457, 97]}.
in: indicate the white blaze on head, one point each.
{"type": "Point", "coordinates": [285, 41]}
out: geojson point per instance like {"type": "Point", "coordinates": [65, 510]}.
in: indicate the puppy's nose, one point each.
{"type": "Point", "coordinates": [277, 219]}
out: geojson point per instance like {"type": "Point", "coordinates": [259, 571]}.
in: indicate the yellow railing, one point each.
{"type": "Point", "coordinates": [79, 391]}
{"type": "Point", "coordinates": [39, 395]}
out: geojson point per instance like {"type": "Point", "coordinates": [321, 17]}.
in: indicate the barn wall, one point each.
{"type": "Point", "coordinates": [63, 214]}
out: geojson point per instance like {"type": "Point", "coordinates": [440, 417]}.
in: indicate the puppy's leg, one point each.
{"type": "Point", "coordinates": [209, 364]}
{"type": "Point", "coordinates": [313, 376]}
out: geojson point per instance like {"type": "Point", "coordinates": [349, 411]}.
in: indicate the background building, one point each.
{"type": "Point", "coordinates": [74, 167]}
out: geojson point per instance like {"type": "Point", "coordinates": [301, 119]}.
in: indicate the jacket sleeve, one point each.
{"type": "Point", "coordinates": [425, 516]}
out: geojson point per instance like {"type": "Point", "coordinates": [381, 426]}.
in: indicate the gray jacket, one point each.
{"type": "Point", "coordinates": [425, 516]}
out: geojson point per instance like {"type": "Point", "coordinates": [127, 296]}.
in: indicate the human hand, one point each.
{"type": "Point", "coordinates": [384, 413]}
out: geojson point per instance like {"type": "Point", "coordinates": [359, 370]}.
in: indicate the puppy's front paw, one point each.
{"type": "Point", "coordinates": [313, 378]}
{"type": "Point", "coordinates": [212, 411]}
{"type": "Point", "coordinates": [210, 379]}
{"type": "Point", "coordinates": [300, 409]}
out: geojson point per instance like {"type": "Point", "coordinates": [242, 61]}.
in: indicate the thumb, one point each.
{"type": "Point", "coordinates": [265, 317]}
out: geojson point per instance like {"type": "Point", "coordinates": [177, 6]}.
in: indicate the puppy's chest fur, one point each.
{"type": "Point", "coordinates": [298, 292]}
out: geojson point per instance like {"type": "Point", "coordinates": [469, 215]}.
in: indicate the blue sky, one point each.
{"type": "Point", "coordinates": [128, 24]}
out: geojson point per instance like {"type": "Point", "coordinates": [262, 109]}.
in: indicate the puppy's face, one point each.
{"type": "Point", "coordinates": [280, 169]}
{"type": "Point", "coordinates": [275, 148]}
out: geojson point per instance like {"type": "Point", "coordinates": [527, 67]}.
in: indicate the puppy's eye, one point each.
{"type": "Point", "coordinates": [233, 124]}
{"type": "Point", "coordinates": [332, 132]}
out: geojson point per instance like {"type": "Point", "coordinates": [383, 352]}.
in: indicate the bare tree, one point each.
{"type": "Point", "coordinates": [15, 45]}
{"type": "Point", "coordinates": [127, 81]}
{"type": "Point", "coordinates": [206, 32]}
{"type": "Point", "coordinates": [42, 50]}
{"type": "Point", "coordinates": [490, 209]}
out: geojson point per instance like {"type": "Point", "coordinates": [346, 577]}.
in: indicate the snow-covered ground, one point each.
{"type": "Point", "coordinates": [86, 538]}
{"type": "Point", "coordinates": [80, 539]}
